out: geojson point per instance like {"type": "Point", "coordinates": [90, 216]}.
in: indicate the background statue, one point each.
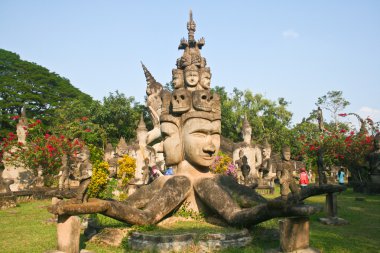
{"type": "Point", "coordinates": [267, 172]}
{"type": "Point", "coordinates": [85, 170]}
{"type": "Point", "coordinates": [285, 175]}
{"type": "Point", "coordinates": [252, 152]}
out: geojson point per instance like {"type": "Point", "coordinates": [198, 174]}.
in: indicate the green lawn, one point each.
{"type": "Point", "coordinates": [25, 228]}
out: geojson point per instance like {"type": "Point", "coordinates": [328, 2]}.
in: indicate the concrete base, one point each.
{"type": "Point", "coordinates": [335, 221]}
{"type": "Point", "coordinates": [188, 242]}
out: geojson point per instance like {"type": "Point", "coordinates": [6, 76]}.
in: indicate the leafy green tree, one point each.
{"type": "Point", "coordinates": [269, 119]}
{"type": "Point", "coordinates": [118, 115]}
{"type": "Point", "coordinates": [334, 102]}
{"type": "Point", "coordinates": [25, 83]}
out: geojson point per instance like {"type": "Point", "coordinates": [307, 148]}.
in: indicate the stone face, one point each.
{"type": "Point", "coordinates": [294, 234]}
{"type": "Point", "coordinates": [68, 232]}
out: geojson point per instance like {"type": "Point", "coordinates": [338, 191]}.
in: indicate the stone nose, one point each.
{"type": "Point", "coordinates": [209, 148]}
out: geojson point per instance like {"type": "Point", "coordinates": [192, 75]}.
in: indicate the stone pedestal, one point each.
{"type": "Point", "coordinates": [294, 234]}
{"type": "Point", "coordinates": [68, 232]}
{"type": "Point", "coordinates": [331, 205]}
{"type": "Point", "coordinates": [331, 209]}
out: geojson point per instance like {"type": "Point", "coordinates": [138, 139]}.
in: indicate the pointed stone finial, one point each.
{"type": "Point", "coordinates": [246, 124]}
{"type": "Point", "coordinates": [142, 126]}
{"type": "Point", "coordinates": [149, 77]}
{"type": "Point", "coordinates": [191, 26]}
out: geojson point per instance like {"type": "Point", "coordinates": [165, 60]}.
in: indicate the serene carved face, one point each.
{"type": "Point", "coordinates": [141, 137]}
{"type": "Point", "coordinates": [201, 141]}
{"type": "Point", "coordinates": [247, 134]}
{"type": "Point", "coordinates": [286, 155]}
{"type": "Point", "coordinates": [205, 79]}
{"type": "Point", "coordinates": [192, 76]}
{"type": "Point", "coordinates": [177, 78]}
{"type": "Point", "coordinates": [171, 143]}
{"type": "Point", "coordinates": [266, 152]}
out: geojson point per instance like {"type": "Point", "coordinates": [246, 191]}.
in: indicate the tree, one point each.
{"type": "Point", "coordinates": [334, 102]}
{"type": "Point", "coordinates": [25, 83]}
{"type": "Point", "coordinates": [269, 119]}
{"type": "Point", "coordinates": [118, 115]}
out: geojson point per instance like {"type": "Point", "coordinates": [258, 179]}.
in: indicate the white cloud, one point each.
{"type": "Point", "coordinates": [373, 113]}
{"type": "Point", "coordinates": [290, 34]}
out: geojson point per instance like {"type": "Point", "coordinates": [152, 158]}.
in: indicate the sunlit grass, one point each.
{"type": "Point", "coordinates": [25, 228]}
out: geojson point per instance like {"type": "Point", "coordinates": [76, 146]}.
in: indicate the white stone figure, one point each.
{"type": "Point", "coordinates": [253, 153]}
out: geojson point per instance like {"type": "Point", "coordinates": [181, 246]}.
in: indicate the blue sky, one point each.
{"type": "Point", "coordinates": [298, 50]}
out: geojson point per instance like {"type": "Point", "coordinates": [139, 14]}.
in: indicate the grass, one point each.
{"type": "Point", "coordinates": [25, 228]}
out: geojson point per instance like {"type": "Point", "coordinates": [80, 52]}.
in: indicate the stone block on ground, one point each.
{"type": "Point", "coordinates": [68, 232]}
{"type": "Point", "coordinates": [294, 234]}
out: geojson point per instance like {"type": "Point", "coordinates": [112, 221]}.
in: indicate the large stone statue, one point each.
{"type": "Point", "coordinates": [252, 152]}
{"type": "Point", "coordinates": [191, 126]}
{"type": "Point", "coordinates": [374, 160]}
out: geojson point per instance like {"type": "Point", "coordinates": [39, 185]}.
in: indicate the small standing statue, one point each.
{"type": "Point", "coordinates": [85, 170]}
{"type": "Point", "coordinates": [239, 163]}
{"type": "Point", "coordinates": [266, 170]}
{"type": "Point", "coordinates": [321, 168]}
{"type": "Point", "coordinates": [285, 175]}
{"type": "Point", "coordinates": [320, 119]}
{"type": "Point", "coordinates": [245, 169]}
{"type": "Point", "coordinates": [64, 174]}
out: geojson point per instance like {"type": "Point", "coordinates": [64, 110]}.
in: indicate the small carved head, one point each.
{"type": "Point", "coordinates": [191, 76]}
{"type": "Point", "coordinates": [202, 100]}
{"type": "Point", "coordinates": [181, 101]}
{"type": "Point", "coordinates": [205, 78]}
{"type": "Point", "coordinates": [177, 78]}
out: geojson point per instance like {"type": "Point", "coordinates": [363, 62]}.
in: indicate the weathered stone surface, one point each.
{"type": "Point", "coordinates": [331, 206]}
{"type": "Point", "coordinates": [294, 233]}
{"type": "Point", "coordinates": [183, 242]}
{"type": "Point", "coordinates": [68, 232]}
{"type": "Point", "coordinates": [335, 221]}
{"type": "Point", "coordinates": [110, 236]}
{"type": "Point", "coordinates": [7, 202]}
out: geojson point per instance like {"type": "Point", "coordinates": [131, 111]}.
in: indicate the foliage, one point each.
{"type": "Point", "coordinates": [341, 147]}
{"type": "Point", "coordinates": [41, 150]}
{"type": "Point", "coordinates": [99, 178]}
{"type": "Point", "coordinates": [82, 128]}
{"type": "Point", "coordinates": [118, 115]}
{"type": "Point", "coordinates": [269, 119]}
{"type": "Point", "coordinates": [127, 169]}
{"type": "Point", "coordinates": [186, 212]}
{"type": "Point", "coordinates": [25, 83]}
{"type": "Point", "coordinates": [223, 165]}
{"type": "Point", "coordinates": [108, 190]}
{"type": "Point", "coordinates": [334, 102]}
